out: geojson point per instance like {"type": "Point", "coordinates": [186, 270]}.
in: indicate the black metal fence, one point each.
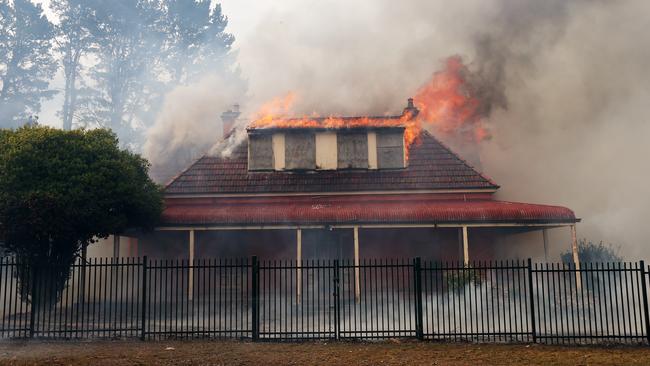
{"type": "Point", "coordinates": [510, 301]}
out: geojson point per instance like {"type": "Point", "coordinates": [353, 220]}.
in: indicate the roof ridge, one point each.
{"type": "Point", "coordinates": [393, 116]}
{"type": "Point", "coordinates": [467, 164]}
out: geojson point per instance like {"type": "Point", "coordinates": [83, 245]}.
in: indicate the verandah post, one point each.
{"type": "Point", "coordinates": [255, 287]}
{"type": "Point", "coordinates": [644, 291]}
{"type": "Point", "coordinates": [576, 257]}
{"type": "Point", "coordinates": [143, 314]}
{"type": "Point", "coordinates": [533, 327]}
{"type": "Point", "coordinates": [417, 282]}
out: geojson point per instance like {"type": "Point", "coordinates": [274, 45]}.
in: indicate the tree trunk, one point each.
{"type": "Point", "coordinates": [42, 284]}
{"type": "Point", "coordinates": [70, 97]}
{"type": "Point", "coordinates": [67, 121]}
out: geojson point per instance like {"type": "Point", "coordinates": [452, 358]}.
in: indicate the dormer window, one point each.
{"type": "Point", "coordinates": [299, 149]}
{"type": "Point", "coordinates": [390, 150]}
{"type": "Point", "coordinates": [352, 150]}
{"type": "Point", "coordinates": [260, 152]}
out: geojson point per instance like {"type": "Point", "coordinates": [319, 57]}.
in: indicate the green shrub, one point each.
{"type": "Point", "coordinates": [457, 280]}
{"type": "Point", "coordinates": [589, 251]}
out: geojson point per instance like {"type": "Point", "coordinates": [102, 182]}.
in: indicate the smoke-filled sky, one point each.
{"type": "Point", "coordinates": [572, 75]}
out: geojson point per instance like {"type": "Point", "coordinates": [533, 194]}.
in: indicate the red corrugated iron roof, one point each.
{"type": "Point", "coordinates": [368, 209]}
{"type": "Point", "coordinates": [431, 166]}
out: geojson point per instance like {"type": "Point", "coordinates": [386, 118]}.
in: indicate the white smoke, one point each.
{"type": "Point", "coordinates": [188, 124]}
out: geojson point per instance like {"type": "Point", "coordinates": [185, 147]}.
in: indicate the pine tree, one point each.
{"type": "Point", "coordinates": [196, 39]}
{"type": "Point", "coordinates": [127, 50]}
{"type": "Point", "coordinates": [73, 43]}
{"type": "Point", "coordinates": [26, 61]}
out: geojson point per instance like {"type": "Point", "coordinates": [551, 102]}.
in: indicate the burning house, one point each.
{"type": "Point", "coordinates": [346, 187]}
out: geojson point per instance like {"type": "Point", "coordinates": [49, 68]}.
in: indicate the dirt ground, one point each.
{"type": "Point", "coordinates": [312, 353]}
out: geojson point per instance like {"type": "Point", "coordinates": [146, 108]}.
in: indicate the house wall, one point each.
{"type": "Point", "coordinates": [523, 244]}
{"type": "Point", "coordinates": [266, 244]}
{"type": "Point", "coordinates": [104, 248]}
{"type": "Point", "coordinates": [326, 154]}
{"type": "Point", "coordinates": [428, 243]}
{"type": "Point", "coordinates": [164, 244]}
{"type": "Point", "coordinates": [101, 249]}
{"type": "Point", "coordinates": [372, 150]}
{"type": "Point", "coordinates": [327, 244]}
{"type": "Point", "coordinates": [278, 151]}
{"type": "Point", "coordinates": [439, 244]}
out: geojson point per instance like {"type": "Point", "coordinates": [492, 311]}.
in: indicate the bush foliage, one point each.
{"type": "Point", "coordinates": [589, 251]}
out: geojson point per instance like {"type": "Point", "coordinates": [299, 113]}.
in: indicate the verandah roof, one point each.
{"type": "Point", "coordinates": [358, 209]}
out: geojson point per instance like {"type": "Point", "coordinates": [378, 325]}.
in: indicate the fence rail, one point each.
{"type": "Point", "coordinates": [511, 301]}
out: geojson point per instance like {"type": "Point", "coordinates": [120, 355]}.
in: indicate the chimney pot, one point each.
{"type": "Point", "coordinates": [229, 118]}
{"type": "Point", "coordinates": [410, 109]}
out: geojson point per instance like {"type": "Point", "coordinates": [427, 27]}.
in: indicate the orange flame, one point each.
{"type": "Point", "coordinates": [273, 114]}
{"type": "Point", "coordinates": [274, 110]}
{"type": "Point", "coordinates": [445, 102]}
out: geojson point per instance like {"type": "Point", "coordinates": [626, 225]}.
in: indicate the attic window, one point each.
{"type": "Point", "coordinates": [300, 151]}
{"type": "Point", "coordinates": [352, 150]}
{"type": "Point", "coordinates": [260, 152]}
{"type": "Point", "coordinates": [390, 149]}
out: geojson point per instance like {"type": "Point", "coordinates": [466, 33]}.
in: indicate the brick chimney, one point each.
{"type": "Point", "coordinates": [411, 109]}
{"type": "Point", "coordinates": [229, 118]}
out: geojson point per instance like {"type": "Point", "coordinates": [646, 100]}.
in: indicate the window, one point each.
{"type": "Point", "coordinates": [300, 150]}
{"type": "Point", "coordinates": [260, 152]}
{"type": "Point", "coordinates": [352, 149]}
{"type": "Point", "coordinates": [390, 149]}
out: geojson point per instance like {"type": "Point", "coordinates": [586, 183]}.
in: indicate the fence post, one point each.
{"type": "Point", "coordinates": [143, 314]}
{"type": "Point", "coordinates": [255, 284]}
{"type": "Point", "coordinates": [533, 326]}
{"type": "Point", "coordinates": [417, 279]}
{"type": "Point", "coordinates": [32, 310]}
{"type": "Point", "coordinates": [644, 291]}
{"type": "Point", "coordinates": [337, 310]}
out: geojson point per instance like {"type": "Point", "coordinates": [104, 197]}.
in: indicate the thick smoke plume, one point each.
{"type": "Point", "coordinates": [563, 88]}
{"type": "Point", "coordinates": [188, 124]}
